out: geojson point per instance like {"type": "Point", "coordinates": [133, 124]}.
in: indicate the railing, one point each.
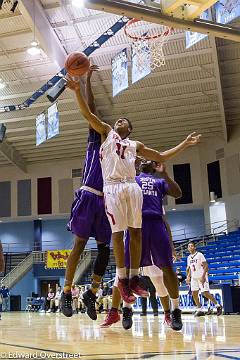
{"type": "Point", "coordinates": [84, 263]}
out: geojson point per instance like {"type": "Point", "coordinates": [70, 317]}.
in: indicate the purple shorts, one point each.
{"type": "Point", "coordinates": [88, 217]}
{"type": "Point", "coordinates": [156, 248]}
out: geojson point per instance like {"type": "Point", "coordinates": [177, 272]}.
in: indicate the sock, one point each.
{"type": "Point", "coordinates": [122, 273]}
{"type": "Point", "coordinates": [134, 272]}
{"type": "Point", "coordinates": [127, 305]}
{"type": "Point", "coordinates": [175, 303]}
{"type": "Point", "coordinates": [218, 305]}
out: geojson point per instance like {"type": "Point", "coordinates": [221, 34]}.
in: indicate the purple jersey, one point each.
{"type": "Point", "coordinates": [92, 173]}
{"type": "Point", "coordinates": [153, 190]}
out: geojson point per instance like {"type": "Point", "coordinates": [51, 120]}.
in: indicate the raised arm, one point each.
{"type": "Point", "coordinates": [161, 157]}
{"type": "Point", "coordinates": [174, 189]}
{"type": "Point", "coordinates": [98, 125]}
{"type": "Point", "coordinates": [89, 92]}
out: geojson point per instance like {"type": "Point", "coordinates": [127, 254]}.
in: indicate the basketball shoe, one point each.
{"type": "Point", "coordinates": [219, 310]}
{"type": "Point", "coordinates": [111, 318]}
{"type": "Point", "coordinates": [167, 318]}
{"type": "Point", "coordinates": [176, 320]}
{"type": "Point", "coordinates": [199, 313]}
{"type": "Point", "coordinates": [89, 300]}
{"type": "Point", "coordinates": [127, 318]}
{"type": "Point", "coordinates": [209, 311]}
{"type": "Point", "coordinates": [137, 288]}
{"type": "Point", "coordinates": [66, 303]}
{"type": "Point", "coordinates": [125, 291]}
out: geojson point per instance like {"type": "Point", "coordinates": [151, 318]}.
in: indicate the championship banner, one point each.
{"type": "Point", "coordinates": [53, 121]}
{"type": "Point", "coordinates": [40, 129]}
{"type": "Point", "coordinates": [120, 72]}
{"type": "Point", "coordinates": [227, 11]}
{"type": "Point", "coordinates": [194, 37]}
{"type": "Point", "coordinates": [142, 68]}
{"type": "Point", "coordinates": [56, 259]}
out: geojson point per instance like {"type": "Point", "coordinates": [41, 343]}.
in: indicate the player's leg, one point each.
{"type": "Point", "coordinates": [205, 292]}
{"type": "Point", "coordinates": [195, 291]}
{"type": "Point", "coordinates": [152, 298]}
{"type": "Point", "coordinates": [134, 215]}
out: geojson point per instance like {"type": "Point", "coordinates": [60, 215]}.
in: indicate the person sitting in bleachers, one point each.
{"type": "Point", "coordinates": [75, 294]}
{"type": "Point", "coordinates": [50, 300]}
{"type": "Point", "coordinates": [106, 297]}
{"type": "Point", "coordinates": [99, 301]}
{"type": "Point", "coordinates": [181, 277]}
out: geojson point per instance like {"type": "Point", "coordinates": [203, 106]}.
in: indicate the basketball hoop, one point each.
{"type": "Point", "coordinates": [147, 42]}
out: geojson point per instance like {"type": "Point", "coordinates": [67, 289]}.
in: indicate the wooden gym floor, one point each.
{"type": "Point", "coordinates": [52, 336]}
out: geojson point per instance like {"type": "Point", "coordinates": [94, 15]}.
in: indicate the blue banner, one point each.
{"type": "Point", "coordinates": [41, 135]}
{"type": "Point", "coordinates": [141, 64]}
{"type": "Point", "coordinates": [120, 72]}
{"type": "Point", "coordinates": [227, 11]}
{"type": "Point", "coordinates": [53, 121]}
{"type": "Point", "coordinates": [194, 37]}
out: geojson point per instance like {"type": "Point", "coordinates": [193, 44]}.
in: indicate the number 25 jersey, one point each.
{"type": "Point", "coordinates": [117, 158]}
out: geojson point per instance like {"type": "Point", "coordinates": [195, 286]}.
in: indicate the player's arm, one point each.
{"type": "Point", "coordinates": [2, 262]}
{"type": "Point", "coordinates": [89, 92]}
{"type": "Point", "coordinates": [174, 189]}
{"type": "Point", "coordinates": [188, 272]}
{"type": "Point", "coordinates": [161, 157]}
{"type": "Point", "coordinates": [205, 271]}
{"type": "Point", "coordinates": [98, 125]}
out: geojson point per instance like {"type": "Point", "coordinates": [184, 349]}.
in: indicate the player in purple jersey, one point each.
{"type": "Point", "coordinates": [157, 254]}
{"type": "Point", "coordinates": [88, 218]}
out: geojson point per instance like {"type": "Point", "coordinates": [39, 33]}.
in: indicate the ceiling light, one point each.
{"type": "Point", "coordinates": [34, 49]}
{"type": "Point", "coordinates": [78, 3]}
{"type": "Point", "coordinates": [173, 209]}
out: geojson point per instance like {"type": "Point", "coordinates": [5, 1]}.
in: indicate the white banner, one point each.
{"type": "Point", "coordinates": [141, 66]}
{"type": "Point", "coordinates": [194, 37]}
{"type": "Point", "coordinates": [227, 11]}
{"type": "Point", "coordinates": [120, 72]}
{"type": "Point", "coordinates": [40, 129]}
{"type": "Point", "coordinates": [53, 121]}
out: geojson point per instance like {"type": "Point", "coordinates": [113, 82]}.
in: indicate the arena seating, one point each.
{"type": "Point", "coordinates": [223, 256]}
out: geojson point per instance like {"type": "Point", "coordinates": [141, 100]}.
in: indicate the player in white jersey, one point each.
{"type": "Point", "coordinates": [123, 196]}
{"type": "Point", "coordinates": [197, 277]}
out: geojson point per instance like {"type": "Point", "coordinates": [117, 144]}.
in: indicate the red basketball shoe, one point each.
{"type": "Point", "coordinates": [125, 291]}
{"type": "Point", "coordinates": [111, 318]}
{"type": "Point", "coordinates": [137, 288]}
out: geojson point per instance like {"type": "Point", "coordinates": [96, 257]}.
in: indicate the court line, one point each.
{"type": "Point", "coordinates": [35, 348]}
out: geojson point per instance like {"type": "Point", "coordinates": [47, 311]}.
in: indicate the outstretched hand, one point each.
{"type": "Point", "coordinates": [72, 83]}
{"type": "Point", "coordinates": [193, 139]}
{"type": "Point", "coordinates": [91, 70]}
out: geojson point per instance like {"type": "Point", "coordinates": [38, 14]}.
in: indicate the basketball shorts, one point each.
{"type": "Point", "coordinates": [196, 285]}
{"type": "Point", "coordinates": [123, 202]}
{"type": "Point", "coordinates": [88, 217]}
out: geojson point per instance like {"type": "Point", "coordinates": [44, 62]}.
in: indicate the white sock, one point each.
{"type": "Point", "coordinates": [122, 273]}
{"type": "Point", "coordinates": [127, 305]}
{"type": "Point", "coordinates": [134, 272]}
{"type": "Point", "coordinates": [175, 303]}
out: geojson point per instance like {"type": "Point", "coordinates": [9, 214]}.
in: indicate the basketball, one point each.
{"type": "Point", "coordinates": [77, 63]}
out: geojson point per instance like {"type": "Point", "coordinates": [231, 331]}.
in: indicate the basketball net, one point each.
{"type": "Point", "coordinates": [147, 42]}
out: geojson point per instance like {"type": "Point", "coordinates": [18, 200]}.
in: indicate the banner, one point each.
{"type": "Point", "coordinates": [185, 301]}
{"type": "Point", "coordinates": [40, 129]}
{"type": "Point", "coordinates": [194, 37]}
{"type": "Point", "coordinates": [56, 259]}
{"type": "Point", "coordinates": [53, 121]}
{"type": "Point", "coordinates": [120, 72]}
{"type": "Point", "coordinates": [141, 64]}
{"type": "Point", "coordinates": [227, 11]}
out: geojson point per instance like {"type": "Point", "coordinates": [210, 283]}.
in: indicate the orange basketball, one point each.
{"type": "Point", "coordinates": [77, 63]}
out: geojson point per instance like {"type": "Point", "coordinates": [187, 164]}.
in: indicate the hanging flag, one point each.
{"type": "Point", "coordinates": [141, 60]}
{"type": "Point", "coordinates": [120, 72]}
{"type": "Point", "coordinates": [194, 37]}
{"type": "Point", "coordinates": [53, 121]}
{"type": "Point", "coordinates": [227, 11]}
{"type": "Point", "coordinates": [40, 129]}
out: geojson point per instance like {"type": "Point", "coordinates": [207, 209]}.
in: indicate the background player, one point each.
{"type": "Point", "coordinates": [123, 197]}
{"type": "Point", "coordinates": [157, 254]}
{"type": "Point", "coordinates": [197, 277]}
{"type": "Point", "coordinates": [88, 218]}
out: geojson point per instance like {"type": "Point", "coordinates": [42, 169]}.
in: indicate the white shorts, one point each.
{"type": "Point", "coordinates": [196, 285]}
{"type": "Point", "coordinates": [123, 203]}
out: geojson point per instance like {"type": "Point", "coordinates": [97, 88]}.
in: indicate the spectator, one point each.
{"type": "Point", "coordinates": [50, 300]}
{"type": "Point", "coordinates": [81, 305]}
{"type": "Point", "coordinates": [58, 299]}
{"type": "Point", "coordinates": [106, 297]}
{"type": "Point", "coordinates": [99, 301]}
{"type": "Point", "coordinates": [181, 277]}
{"type": "Point", "coordinates": [5, 296]}
{"type": "Point", "coordinates": [153, 300]}
{"type": "Point", "coordinates": [75, 294]}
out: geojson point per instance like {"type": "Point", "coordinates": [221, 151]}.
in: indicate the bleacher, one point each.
{"type": "Point", "coordinates": [223, 257]}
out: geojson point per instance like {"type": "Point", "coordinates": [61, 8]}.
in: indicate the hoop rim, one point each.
{"type": "Point", "coordinates": [149, 37]}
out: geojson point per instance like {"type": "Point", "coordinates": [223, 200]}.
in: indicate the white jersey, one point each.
{"type": "Point", "coordinates": [195, 262]}
{"type": "Point", "coordinates": [118, 158]}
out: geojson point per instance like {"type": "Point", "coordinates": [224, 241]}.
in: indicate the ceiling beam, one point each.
{"type": "Point", "coordinates": [219, 87]}
{"type": "Point", "coordinates": [13, 156]}
{"type": "Point", "coordinates": [154, 15]}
